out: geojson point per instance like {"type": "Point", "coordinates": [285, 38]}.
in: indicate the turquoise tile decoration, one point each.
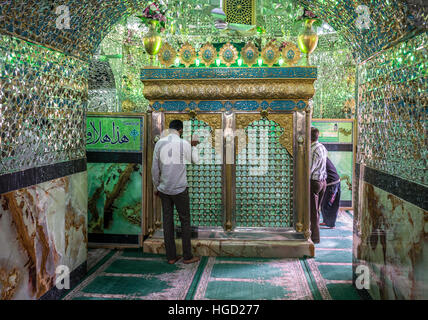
{"type": "Point", "coordinates": [242, 105]}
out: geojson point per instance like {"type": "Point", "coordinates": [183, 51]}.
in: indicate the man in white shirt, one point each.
{"type": "Point", "coordinates": [170, 156]}
{"type": "Point", "coordinates": [318, 182]}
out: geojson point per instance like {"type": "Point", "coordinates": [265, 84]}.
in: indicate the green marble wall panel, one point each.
{"type": "Point", "coordinates": [343, 161]}
{"type": "Point", "coordinates": [390, 233]}
{"type": "Point", "coordinates": [115, 198]}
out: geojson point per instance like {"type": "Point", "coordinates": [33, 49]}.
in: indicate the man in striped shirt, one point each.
{"type": "Point", "coordinates": [318, 182]}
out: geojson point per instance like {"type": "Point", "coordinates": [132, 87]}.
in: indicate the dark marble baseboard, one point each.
{"type": "Point", "coordinates": [407, 190]}
{"type": "Point", "coordinates": [345, 203]}
{"type": "Point", "coordinates": [338, 147]}
{"type": "Point", "coordinates": [76, 276]}
{"type": "Point", "coordinates": [364, 294]}
{"type": "Point", "coordinates": [30, 177]}
{"type": "Point", "coordinates": [114, 157]}
{"type": "Point", "coordinates": [113, 238]}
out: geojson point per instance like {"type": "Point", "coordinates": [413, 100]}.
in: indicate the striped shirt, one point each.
{"type": "Point", "coordinates": [318, 162]}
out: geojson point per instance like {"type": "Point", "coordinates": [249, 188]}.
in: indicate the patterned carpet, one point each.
{"type": "Point", "coordinates": [331, 269]}
{"type": "Point", "coordinates": [130, 274]}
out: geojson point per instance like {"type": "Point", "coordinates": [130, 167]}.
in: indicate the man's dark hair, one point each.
{"type": "Point", "coordinates": [314, 134]}
{"type": "Point", "coordinates": [176, 125]}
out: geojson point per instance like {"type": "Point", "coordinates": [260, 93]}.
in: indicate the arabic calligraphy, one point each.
{"type": "Point", "coordinates": [95, 135]}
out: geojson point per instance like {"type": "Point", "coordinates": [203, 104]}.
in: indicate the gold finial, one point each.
{"type": "Point", "coordinates": [264, 113]}
{"type": "Point", "coordinates": [192, 114]}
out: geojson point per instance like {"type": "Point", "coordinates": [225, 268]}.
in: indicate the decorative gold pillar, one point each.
{"type": "Point", "coordinates": [148, 218]}
{"type": "Point", "coordinates": [306, 173]}
{"type": "Point", "coordinates": [302, 167]}
{"type": "Point", "coordinates": [229, 168]}
{"type": "Point", "coordinates": [155, 211]}
{"type": "Point", "coordinates": [147, 176]}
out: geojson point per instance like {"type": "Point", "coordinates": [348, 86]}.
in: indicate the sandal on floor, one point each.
{"type": "Point", "coordinates": [174, 260]}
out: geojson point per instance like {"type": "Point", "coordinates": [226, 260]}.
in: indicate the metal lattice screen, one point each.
{"type": "Point", "coordinates": [264, 191]}
{"type": "Point", "coordinates": [205, 183]}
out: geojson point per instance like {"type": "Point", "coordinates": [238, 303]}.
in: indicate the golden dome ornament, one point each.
{"type": "Point", "coordinates": [187, 54]}
{"type": "Point", "coordinates": [270, 54]}
{"type": "Point", "coordinates": [291, 54]}
{"type": "Point", "coordinates": [207, 54]}
{"type": "Point", "coordinates": [167, 55]}
{"type": "Point", "coordinates": [228, 54]}
{"type": "Point", "coordinates": [250, 54]}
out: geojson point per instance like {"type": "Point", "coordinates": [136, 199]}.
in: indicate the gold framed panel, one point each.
{"type": "Point", "coordinates": [208, 54]}
{"type": "Point", "coordinates": [270, 54]}
{"type": "Point", "coordinates": [291, 54]}
{"type": "Point", "coordinates": [285, 120]}
{"type": "Point", "coordinates": [228, 54]}
{"type": "Point", "coordinates": [187, 54]}
{"type": "Point", "coordinates": [167, 55]}
{"type": "Point", "coordinates": [250, 54]}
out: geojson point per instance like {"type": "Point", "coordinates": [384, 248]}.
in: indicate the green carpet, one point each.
{"type": "Point", "coordinates": [253, 279]}
{"type": "Point", "coordinates": [342, 291]}
{"type": "Point", "coordinates": [333, 256]}
{"type": "Point", "coordinates": [131, 274]}
{"type": "Point", "coordinates": [331, 269]}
